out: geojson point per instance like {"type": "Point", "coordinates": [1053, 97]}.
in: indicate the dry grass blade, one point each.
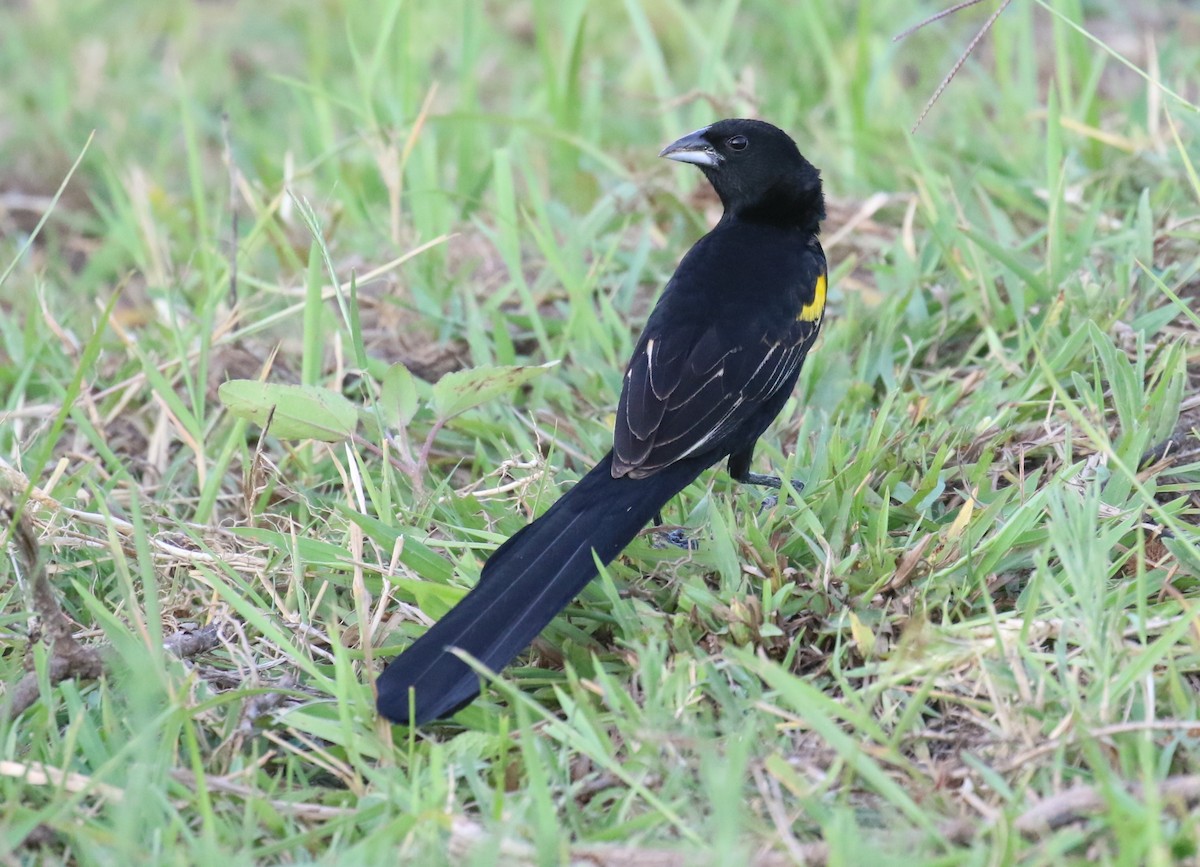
{"type": "Point", "coordinates": [987, 25]}
{"type": "Point", "coordinates": [467, 837]}
{"type": "Point", "coordinates": [936, 16]}
{"type": "Point", "coordinates": [1078, 801]}
{"type": "Point", "coordinates": [68, 658]}
{"type": "Point", "coordinates": [223, 785]}
{"type": "Point", "coordinates": [39, 774]}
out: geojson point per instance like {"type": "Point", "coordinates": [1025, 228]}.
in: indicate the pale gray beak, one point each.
{"type": "Point", "coordinates": [693, 148]}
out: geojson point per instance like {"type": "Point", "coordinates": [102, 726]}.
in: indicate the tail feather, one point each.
{"type": "Point", "coordinates": [524, 585]}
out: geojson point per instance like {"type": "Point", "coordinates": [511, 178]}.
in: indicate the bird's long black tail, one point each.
{"type": "Point", "coordinates": [525, 583]}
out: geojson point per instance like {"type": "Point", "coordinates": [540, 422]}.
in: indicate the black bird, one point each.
{"type": "Point", "coordinates": [717, 360]}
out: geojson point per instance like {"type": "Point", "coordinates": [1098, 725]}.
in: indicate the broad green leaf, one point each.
{"type": "Point", "coordinates": [458, 392]}
{"type": "Point", "coordinates": [301, 411]}
{"type": "Point", "coordinates": [414, 554]}
{"type": "Point", "coordinates": [399, 396]}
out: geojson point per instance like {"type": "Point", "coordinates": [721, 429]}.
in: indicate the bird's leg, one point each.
{"type": "Point", "coordinates": [739, 471]}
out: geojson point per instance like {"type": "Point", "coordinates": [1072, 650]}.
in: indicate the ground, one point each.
{"type": "Point", "coordinates": [970, 639]}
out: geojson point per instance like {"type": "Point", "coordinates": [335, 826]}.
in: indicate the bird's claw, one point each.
{"type": "Point", "coordinates": [679, 538]}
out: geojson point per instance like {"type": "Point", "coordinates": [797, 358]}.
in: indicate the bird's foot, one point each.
{"type": "Point", "coordinates": [677, 537]}
{"type": "Point", "coordinates": [763, 480]}
{"type": "Point", "coordinates": [680, 539]}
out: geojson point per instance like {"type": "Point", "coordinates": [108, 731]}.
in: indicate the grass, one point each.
{"type": "Point", "coordinates": [971, 640]}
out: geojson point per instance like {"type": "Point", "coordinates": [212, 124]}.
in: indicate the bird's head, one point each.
{"type": "Point", "coordinates": [756, 169]}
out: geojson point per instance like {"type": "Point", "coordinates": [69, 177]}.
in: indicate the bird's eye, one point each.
{"type": "Point", "coordinates": [738, 142]}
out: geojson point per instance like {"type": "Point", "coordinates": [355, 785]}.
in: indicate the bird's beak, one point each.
{"type": "Point", "coordinates": [693, 148]}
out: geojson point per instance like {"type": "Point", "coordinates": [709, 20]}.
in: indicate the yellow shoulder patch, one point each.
{"type": "Point", "coordinates": [812, 311]}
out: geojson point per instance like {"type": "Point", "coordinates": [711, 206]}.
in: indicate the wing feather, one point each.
{"type": "Point", "coordinates": [693, 380]}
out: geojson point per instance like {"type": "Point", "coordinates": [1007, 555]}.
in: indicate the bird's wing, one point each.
{"type": "Point", "coordinates": [688, 387]}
